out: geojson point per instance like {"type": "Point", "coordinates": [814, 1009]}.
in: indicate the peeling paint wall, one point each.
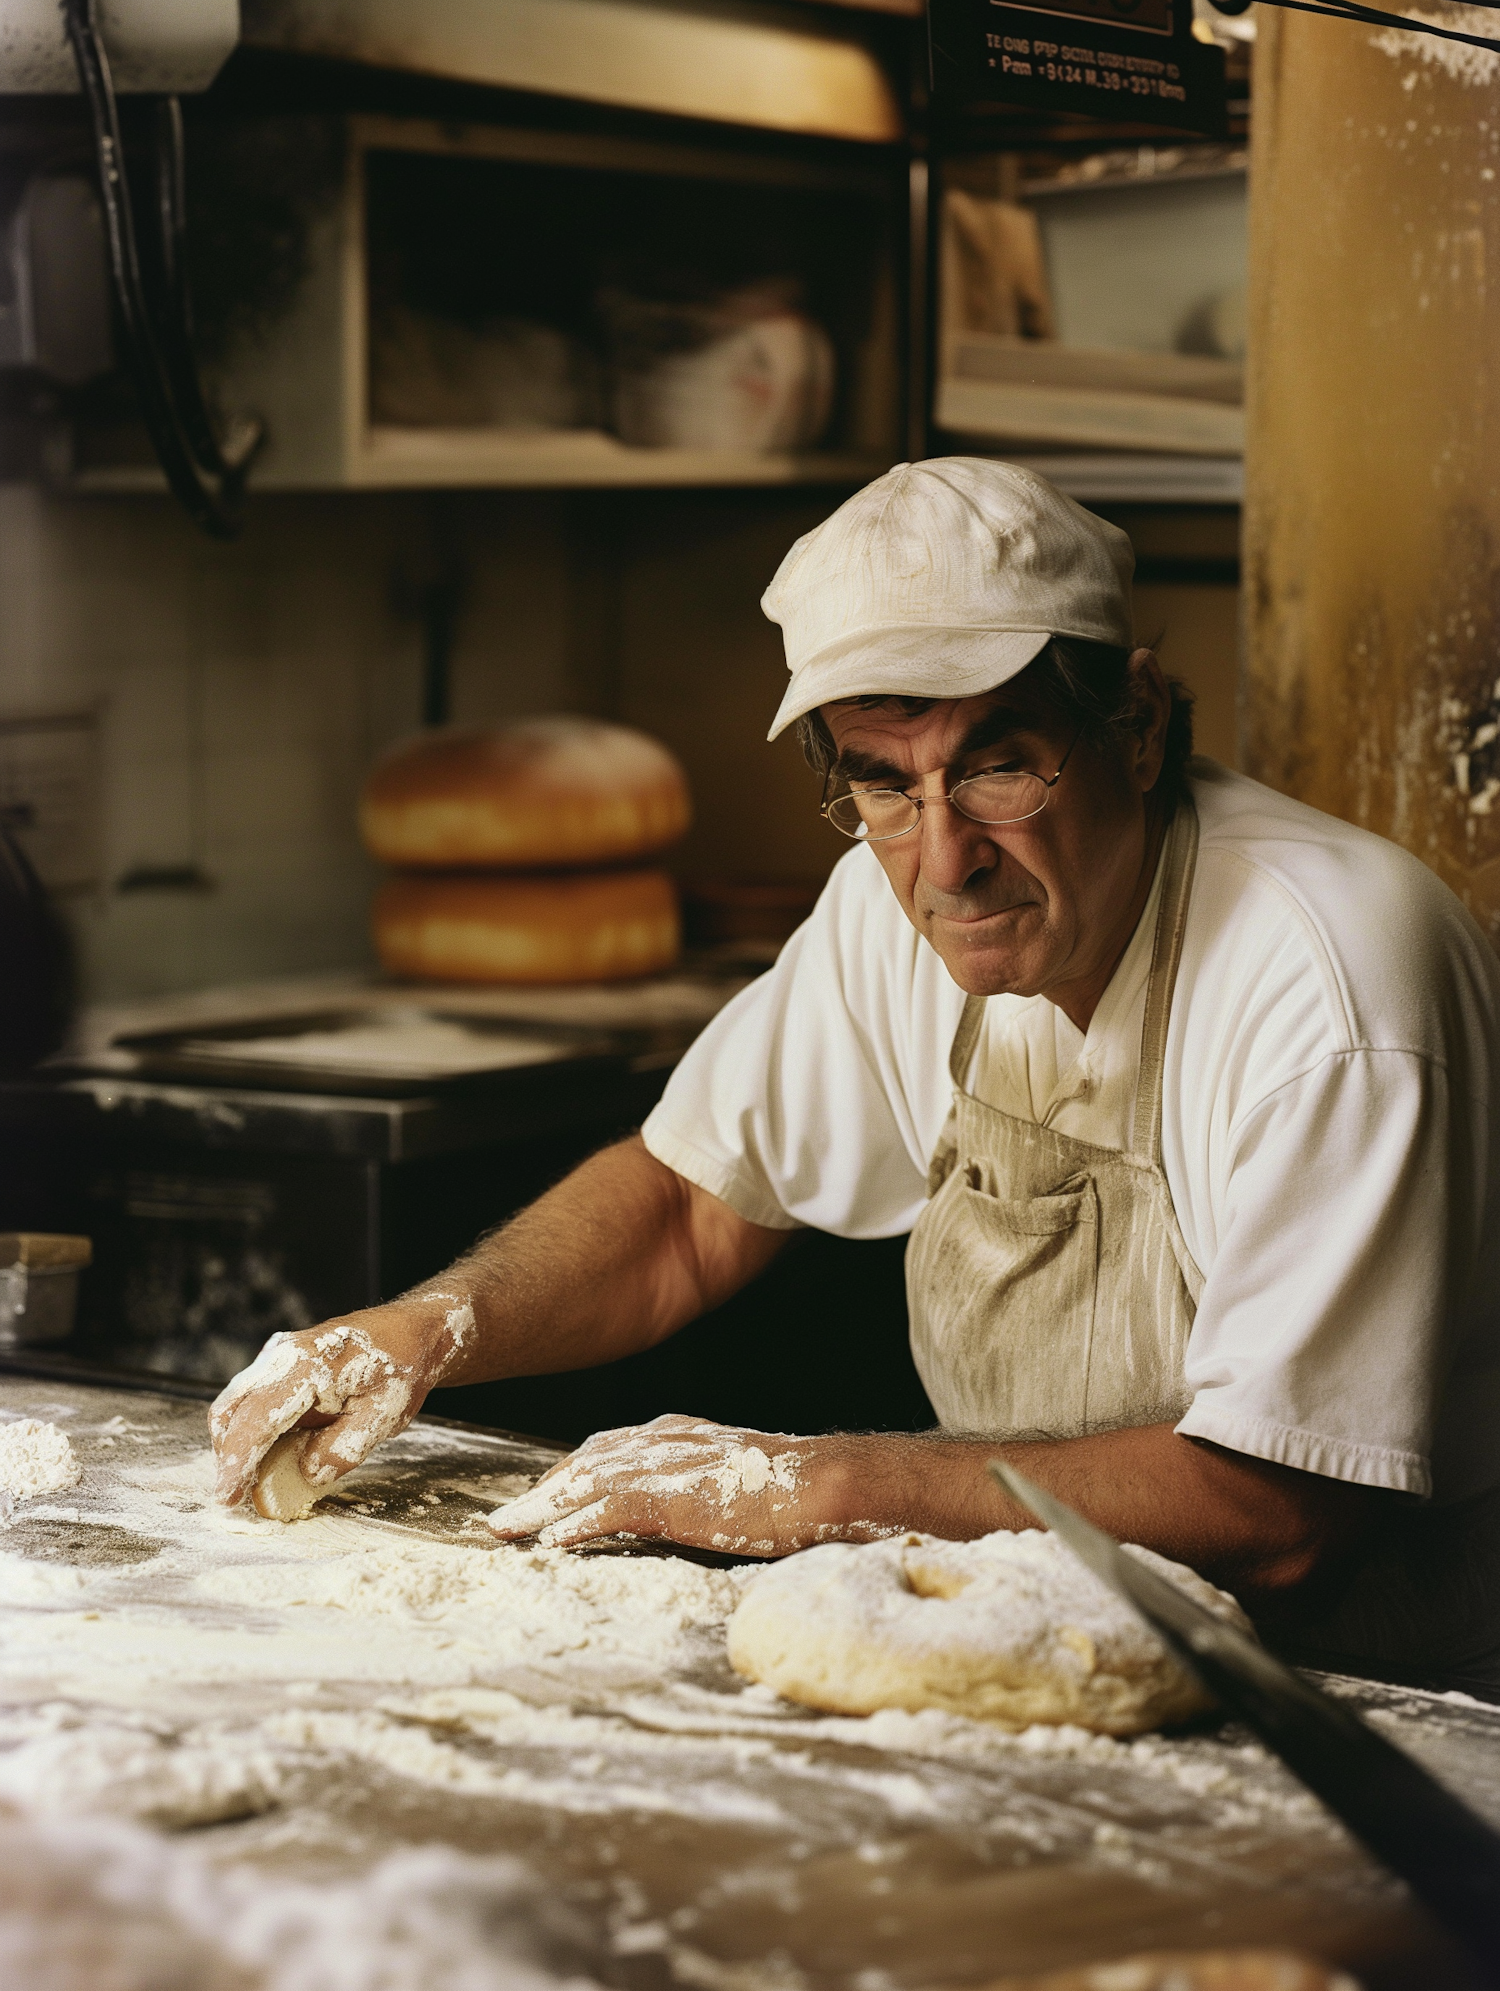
{"type": "Point", "coordinates": [1372, 519]}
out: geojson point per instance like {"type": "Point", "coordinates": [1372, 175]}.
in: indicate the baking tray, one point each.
{"type": "Point", "coordinates": [263, 1055]}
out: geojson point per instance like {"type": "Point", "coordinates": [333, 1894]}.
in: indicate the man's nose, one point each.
{"type": "Point", "coordinates": [955, 850]}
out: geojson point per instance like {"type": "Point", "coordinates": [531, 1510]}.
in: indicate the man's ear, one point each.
{"type": "Point", "coordinates": [1151, 713]}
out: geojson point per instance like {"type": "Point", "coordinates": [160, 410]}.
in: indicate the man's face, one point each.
{"type": "Point", "coordinates": [1041, 907]}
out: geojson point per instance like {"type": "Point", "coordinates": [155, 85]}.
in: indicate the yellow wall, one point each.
{"type": "Point", "coordinates": [1200, 636]}
{"type": "Point", "coordinates": [1373, 508]}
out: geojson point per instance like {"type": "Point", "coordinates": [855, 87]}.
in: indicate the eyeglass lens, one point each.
{"type": "Point", "coordinates": [872, 814]}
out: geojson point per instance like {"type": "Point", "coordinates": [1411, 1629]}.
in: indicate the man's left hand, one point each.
{"type": "Point", "coordinates": [684, 1479]}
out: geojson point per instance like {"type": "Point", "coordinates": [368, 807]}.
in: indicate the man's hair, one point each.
{"type": "Point", "coordinates": [1086, 685]}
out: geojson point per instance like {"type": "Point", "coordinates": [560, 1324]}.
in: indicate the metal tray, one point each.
{"type": "Point", "coordinates": [264, 1054]}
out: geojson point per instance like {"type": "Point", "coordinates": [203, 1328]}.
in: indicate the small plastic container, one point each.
{"type": "Point", "coordinates": [39, 1286]}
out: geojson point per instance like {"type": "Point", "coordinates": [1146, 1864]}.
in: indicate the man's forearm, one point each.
{"type": "Point", "coordinates": [1263, 1531]}
{"type": "Point", "coordinates": [1256, 1527]}
{"type": "Point", "coordinates": [618, 1256]}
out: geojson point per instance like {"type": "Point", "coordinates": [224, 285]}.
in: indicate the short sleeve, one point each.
{"type": "Point", "coordinates": [815, 1097]}
{"type": "Point", "coordinates": [1347, 1277]}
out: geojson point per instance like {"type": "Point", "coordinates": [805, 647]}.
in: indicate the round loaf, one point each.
{"type": "Point", "coordinates": [537, 793]}
{"type": "Point", "coordinates": [589, 928]}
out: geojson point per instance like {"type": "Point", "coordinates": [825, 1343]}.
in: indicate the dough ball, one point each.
{"type": "Point", "coordinates": [1011, 1629]}
{"type": "Point", "coordinates": [1191, 1970]}
{"type": "Point", "coordinates": [281, 1493]}
{"type": "Point", "coordinates": [498, 929]}
{"type": "Point", "coordinates": [558, 791]}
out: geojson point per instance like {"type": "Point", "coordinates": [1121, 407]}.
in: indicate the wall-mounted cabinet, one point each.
{"type": "Point", "coordinates": [1098, 312]}
{"type": "Point", "coordinates": [737, 62]}
{"type": "Point", "coordinates": [487, 306]}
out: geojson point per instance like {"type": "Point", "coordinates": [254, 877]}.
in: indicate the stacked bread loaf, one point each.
{"type": "Point", "coordinates": [517, 853]}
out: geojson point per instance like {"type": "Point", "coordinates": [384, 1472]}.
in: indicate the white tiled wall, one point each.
{"type": "Point", "coordinates": [243, 689]}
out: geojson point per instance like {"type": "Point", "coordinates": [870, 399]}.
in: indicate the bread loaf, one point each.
{"type": "Point", "coordinates": [532, 795]}
{"type": "Point", "coordinates": [593, 928]}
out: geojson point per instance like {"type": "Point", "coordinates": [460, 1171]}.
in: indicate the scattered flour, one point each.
{"type": "Point", "coordinates": [242, 1668]}
{"type": "Point", "coordinates": [97, 1905]}
{"type": "Point", "coordinates": [583, 1684]}
{"type": "Point", "coordinates": [35, 1458]}
{"type": "Point", "coordinates": [604, 1620]}
{"type": "Point", "coordinates": [70, 1761]}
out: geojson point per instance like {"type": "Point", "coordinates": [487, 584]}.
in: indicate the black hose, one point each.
{"type": "Point", "coordinates": [1375, 17]}
{"type": "Point", "coordinates": [174, 319]}
{"type": "Point", "coordinates": [207, 478]}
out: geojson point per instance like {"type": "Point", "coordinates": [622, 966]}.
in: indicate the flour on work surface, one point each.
{"type": "Point", "coordinates": [342, 1600]}
{"type": "Point", "coordinates": [1011, 1628]}
{"type": "Point", "coordinates": [35, 1458]}
{"type": "Point", "coordinates": [522, 1602]}
{"type": "Point", "coordinates": [202, 1664]}
{"type": "Point", "coordinates": [95, 1905]}
{"type": "Point", "coordinates": [62, 1760]}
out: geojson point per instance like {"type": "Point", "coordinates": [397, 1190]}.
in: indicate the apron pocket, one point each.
{"type": "Point", "coordinates": [1002, 1305]}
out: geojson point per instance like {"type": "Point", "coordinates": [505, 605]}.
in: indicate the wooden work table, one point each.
{"type": "Point", "coordinates": [702, 1832]}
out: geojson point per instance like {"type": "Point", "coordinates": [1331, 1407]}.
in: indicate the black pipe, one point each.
{"type": "Point", "coordinates": [206, 477]}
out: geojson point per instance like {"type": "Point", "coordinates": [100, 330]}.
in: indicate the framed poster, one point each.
{"type": "Point", "coordinates": [1129, 61]}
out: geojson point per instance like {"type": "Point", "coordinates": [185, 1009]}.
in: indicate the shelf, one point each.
{"type": "Point", "coordinates": [1023, 413]}
{"type": "Point", "coordinates": [581, 459]}
{"type": "Point", "coordinates": [434, 459]}
{"type": "Point", "coordinates": [549, 218]}
{"type": "Point", "coordinates": [1038, 391]}
{"type": "Point", "coordinates": [1012, 362]}
{"type": "Point", "coordinates": [741, 64]}
{"type": "Point", "coordinates": [1130, 479]}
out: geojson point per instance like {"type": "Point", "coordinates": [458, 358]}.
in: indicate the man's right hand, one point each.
{"type": "Point", "coordinates": [355, 1380]}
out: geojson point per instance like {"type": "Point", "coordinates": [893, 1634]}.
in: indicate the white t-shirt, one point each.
{"type": "Point", "coordinates": [1330, 1133]}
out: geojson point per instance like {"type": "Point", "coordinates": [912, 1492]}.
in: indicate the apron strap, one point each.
{"type": "Point", "coordinates": [1178, 861]}
{"type": "Point", "coordinates": [964, 1040]}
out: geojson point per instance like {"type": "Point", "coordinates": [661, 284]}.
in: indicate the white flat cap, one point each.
{"type": "Point", "coordinates": [942, 579]}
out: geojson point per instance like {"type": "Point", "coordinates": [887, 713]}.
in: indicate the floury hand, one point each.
{"type": "Point", "coordinates": [350, 1385]}
{"type": "Point", "coordinates": [686, 1480]}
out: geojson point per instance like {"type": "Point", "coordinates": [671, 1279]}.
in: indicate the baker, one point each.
{"type": "Point", "coordinates": [1185, 1092]}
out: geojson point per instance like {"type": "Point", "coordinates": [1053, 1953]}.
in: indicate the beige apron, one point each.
{"type": "Point", "coordinates": [1050, 1290]}
{"type": "Point", "coordinates": [1051, 1293]}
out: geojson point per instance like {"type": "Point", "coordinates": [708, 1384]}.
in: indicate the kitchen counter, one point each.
{"type": "Point", "coordinates": [252, 1158]}
{"type": "Point", "coordinates": [264, 1715]}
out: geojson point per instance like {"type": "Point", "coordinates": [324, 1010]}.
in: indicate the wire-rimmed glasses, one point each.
{"type": "Point", "coordinates": [875, 815]}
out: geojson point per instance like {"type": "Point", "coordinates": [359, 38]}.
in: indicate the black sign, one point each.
{"type": "Point", "coordinates": [1131, 61]}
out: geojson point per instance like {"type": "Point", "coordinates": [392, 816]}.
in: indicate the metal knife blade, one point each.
{"type": "Point", "coordinates": [1448, 1856]}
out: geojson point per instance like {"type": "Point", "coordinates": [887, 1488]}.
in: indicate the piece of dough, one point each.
{"type": "Point", "coordinates": [281, 1493]}
{"type": "Point", "coordinates": [1011, 1629]}
{"type": "Point", "coordinates": [552, 791]}
{"type": "Point", "coordinates": [1191, 1970]}
{"type": "Point", "coordinates": [583, 928]}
